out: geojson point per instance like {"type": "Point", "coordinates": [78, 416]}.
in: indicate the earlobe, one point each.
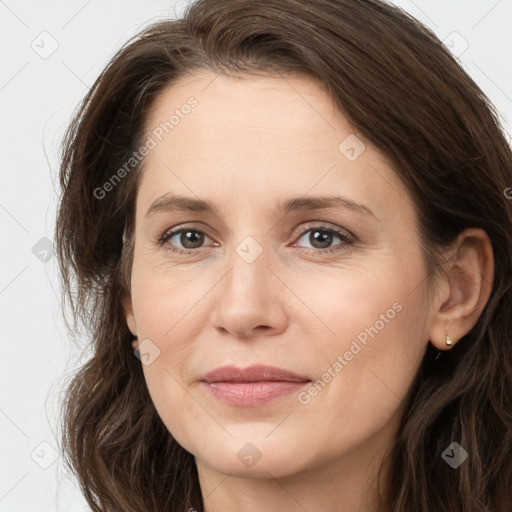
{"type": "Point", "coordinates": [130, 317]}
{"type": "Point", "coordinates": [466, 290]}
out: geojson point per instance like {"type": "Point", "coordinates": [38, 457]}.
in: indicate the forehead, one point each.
{"type": "Point", "coordinates": [218, 136]}
{"type": "Point", "coordinates": [255, 105]}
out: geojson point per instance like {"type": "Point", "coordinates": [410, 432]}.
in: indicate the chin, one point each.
{"type": "Point", "coordinates": [254, 457]}
{"type": "Point", "coordinates": [277, 465]}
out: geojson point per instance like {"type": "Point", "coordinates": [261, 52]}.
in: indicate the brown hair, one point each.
{"type": "Point", "coordinates": [398, 85]}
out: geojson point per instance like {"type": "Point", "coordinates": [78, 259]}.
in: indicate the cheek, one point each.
{"type": "Point", "coordinates": [167, 307]}
{"type": "Point", "coordinates": [367, 368]}
{"type": "Point", "coordinates": [166, 301]}
{"type": "Point", "coordinates": [374, 346]}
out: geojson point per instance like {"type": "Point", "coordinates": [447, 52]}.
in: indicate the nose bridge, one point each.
{"type": "Point", "coordinates": [249, 272]}
{"type": "Point", "coordinates": [247, 299]}
{"type": "Point", "coordinates": [249, 248]}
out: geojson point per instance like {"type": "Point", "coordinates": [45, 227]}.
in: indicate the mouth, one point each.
{"type": "Point", "coordinates": [252, 386]}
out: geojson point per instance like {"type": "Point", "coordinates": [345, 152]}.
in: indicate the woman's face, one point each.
{"type": "Point", "coordinates": [333, 291]}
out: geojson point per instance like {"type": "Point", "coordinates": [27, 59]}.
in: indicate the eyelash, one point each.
{"type": "Point", "coordinates": [346, 238]}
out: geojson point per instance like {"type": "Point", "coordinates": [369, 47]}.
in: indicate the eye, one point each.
{"type": "Point", "coordinates": [189, 237]}
{"type": "Point", "coordinates": [321, 238]}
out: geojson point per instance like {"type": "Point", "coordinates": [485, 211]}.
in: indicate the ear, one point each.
{"type": "Point", "coordinates": [130, 317]}
{"type": "Point", "coordinates": [465, 288]}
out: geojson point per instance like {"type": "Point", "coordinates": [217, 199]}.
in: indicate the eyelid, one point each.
{"type": "Point", "coordinates": [170, 232]}
{"type": "Point", "coordinates": [322, 225]}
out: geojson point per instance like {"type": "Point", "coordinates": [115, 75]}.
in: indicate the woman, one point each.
{"type": "Point", "coordinates": [295, 214]}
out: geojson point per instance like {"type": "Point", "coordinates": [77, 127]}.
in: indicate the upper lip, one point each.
{"type": "Point", "coordinates": [255, 373]}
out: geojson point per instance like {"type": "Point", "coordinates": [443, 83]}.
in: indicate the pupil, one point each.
{"type": "Point", "coordinates": [324, 240]}
{"type": "Point", "coordinates": [188, 237]}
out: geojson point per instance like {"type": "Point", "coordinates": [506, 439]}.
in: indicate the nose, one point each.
{"type": "Point", "coordinates": [250, 300]}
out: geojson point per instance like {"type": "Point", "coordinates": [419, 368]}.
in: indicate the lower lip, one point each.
{"type": "Point", "coordinates": [247, 394]}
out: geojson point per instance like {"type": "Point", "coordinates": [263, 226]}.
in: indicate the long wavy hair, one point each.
{"type": "Point", "coordinates": [402, 89]}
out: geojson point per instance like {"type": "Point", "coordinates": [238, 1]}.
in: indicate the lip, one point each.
{"type": "Point", "coordinates": [254, 373]}
{"type": "Point", "coordinates": [251, 386]}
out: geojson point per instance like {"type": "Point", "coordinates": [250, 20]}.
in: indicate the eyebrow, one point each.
{"type": "Point", "coordinates": [169, 202]}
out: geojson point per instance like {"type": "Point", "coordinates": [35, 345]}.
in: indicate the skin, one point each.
{"type": "Point", "coordinates": [250, 143]}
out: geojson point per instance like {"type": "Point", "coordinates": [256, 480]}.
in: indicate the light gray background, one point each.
{"type": "Point", "coordinates": [37, 98]}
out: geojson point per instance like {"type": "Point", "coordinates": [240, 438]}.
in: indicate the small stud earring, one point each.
{"type": "Point", "coordinates": [448, 340]}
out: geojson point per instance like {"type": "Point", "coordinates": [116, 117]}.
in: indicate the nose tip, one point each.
{"type": "Point", "coordinates": [246, 304]}
{"type": "Point", "coordinates": [246, 331]}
